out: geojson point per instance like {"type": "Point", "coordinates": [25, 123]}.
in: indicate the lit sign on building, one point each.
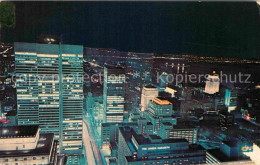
{"type": "Point", "coordinates": [246, 147]}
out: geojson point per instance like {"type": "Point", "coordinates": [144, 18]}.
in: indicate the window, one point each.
{"type": "Point", "coordinates": [34, 158]}
{"type": "Point", "coordinates": [43, 157]}
{"type": "Point", "coordinates": [24, 158]}
{"type": "Point", "coordinates": [6, 160]}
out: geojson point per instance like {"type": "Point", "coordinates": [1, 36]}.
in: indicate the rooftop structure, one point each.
{"type": "Point", "coordinates": [25, 145]}
{"type": "Point", "coordinates": [136, 149]}
{"type": "Point", "coordinates": [18, 131]}
{"type": "Point", "coordinates": [161, 101]}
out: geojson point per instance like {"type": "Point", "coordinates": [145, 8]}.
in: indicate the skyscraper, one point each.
{"type": "Point", "coordinates": [148, 93]}
{"type": "Point", "coordinates": [50, 91]}
{"type": "Point", "coordinates": [212, 84]}
{"type": "Point", "coordinates": [231, 97]}
{"type": "Point", "coordinates": [114, 94]}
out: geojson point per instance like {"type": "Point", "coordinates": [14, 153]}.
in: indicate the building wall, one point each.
{"type": "Point", "coordinates": [211, 160]}
{"type": "Point", "coordinates": [123, 150]}
{"type": "Point", "coordinates": [114, 95]}
{"type": "Point", "coordinates": [147, 95]}
{"type": "Point", "coordinates": [24, 143]}
{"type": "Point", "coordinates": [50, 90]}
{"type": "Point", "coordinates": [25, 160]}
{"type": "Point", "coordinates": [189, 134]}
{"type": "Point", "coordinates": [212, 84]}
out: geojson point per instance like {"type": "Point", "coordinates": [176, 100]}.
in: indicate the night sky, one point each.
{"type": "Point", "coordinates": [212, 29]}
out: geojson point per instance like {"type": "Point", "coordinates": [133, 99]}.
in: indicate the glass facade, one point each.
{"type": "Point", "coordinates": [50, 90]}
{"type": "Point", "coordinates": [114, 94]}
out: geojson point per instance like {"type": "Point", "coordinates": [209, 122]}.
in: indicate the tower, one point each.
{"type": "Point", "coordinates": [148, 93]}
{"type": "Point", "coordinates": [50, 91]}
{"type": "Point", "coordinates": [212, 84]}
{"type": "Point", "coordinates": [114, 94]}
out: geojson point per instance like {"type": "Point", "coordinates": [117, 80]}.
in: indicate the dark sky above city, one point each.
{"type": "Point", "coordinates": [202, 28]}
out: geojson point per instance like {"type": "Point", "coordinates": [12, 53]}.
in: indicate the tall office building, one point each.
{"type": "Point", "coordinates": [231, 97]}
{"type": "Point", "coordinates": [50, 91]}
{"type": "Point", "coordinates": [231, 153]}
{"type": "Point", "coordinates": [114, 94]}
{"type": "Point", "coordinates": [109, 132]}
{"type": "Point", "coordinates": [148, 93]}
{"type": "Point", "coordinates": [212, 84]}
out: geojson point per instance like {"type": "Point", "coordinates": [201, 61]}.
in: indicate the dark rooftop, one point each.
{"type": "Point", "coordinates": [114, 67]}
{"type": "Point", "coordinates": [231, 143]}
{"type": "Point", "coordinates": [167, 124]}
{"type": "Point", "coordinates": [150, 86]}
{"type": "Point", "coordinates": [143, 140]}
{"type": "Point", "coordinates": [247, 124]}
{"type": "Point", "coordinates": [18, 131]}
{"type": "Point", "coordinates": [174, 140]}
{"type": "Point", "coordinates": [155, 137]}
{"type": "Point", "coordinates": [112, 160]}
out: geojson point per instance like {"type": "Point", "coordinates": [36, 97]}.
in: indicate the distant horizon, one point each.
{"type": "Point", "coordinates": [156, 54]}
{"type": "Point", "coordinates": [218, 29]}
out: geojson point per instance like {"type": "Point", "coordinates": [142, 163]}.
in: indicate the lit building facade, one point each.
{"type": "Point", "coordinates": [25, 145]}
{"type": "Point", "coordinates": [168, 131]}
{"type": "Point", "coordinates": [159, 111]}
{"type": "Point", "coordinates": [226, 119]}
{"type": "Point", "coordinates": [114, 94]}
{"type": "Point", "coordinates": [231, 97]}
{"type": "Point", "coordinates": [212, 84]}
{"type": "Point", "coordinates": [136, 149]}
{"type": "Point", "coordinates": [144, 127]}
{"type": "Point", "coordinates": [148, 93]}
{"type": "Point", "coordinates": [50, 91]}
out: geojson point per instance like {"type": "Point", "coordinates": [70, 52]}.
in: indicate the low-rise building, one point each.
{"type": "Point", "coordinates": [136, 149]}
{"type": "Point", "coordinates": [22, 145]}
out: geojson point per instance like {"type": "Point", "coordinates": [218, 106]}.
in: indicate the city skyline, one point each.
{"type": "Point", "coordinates": [76, 87]}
